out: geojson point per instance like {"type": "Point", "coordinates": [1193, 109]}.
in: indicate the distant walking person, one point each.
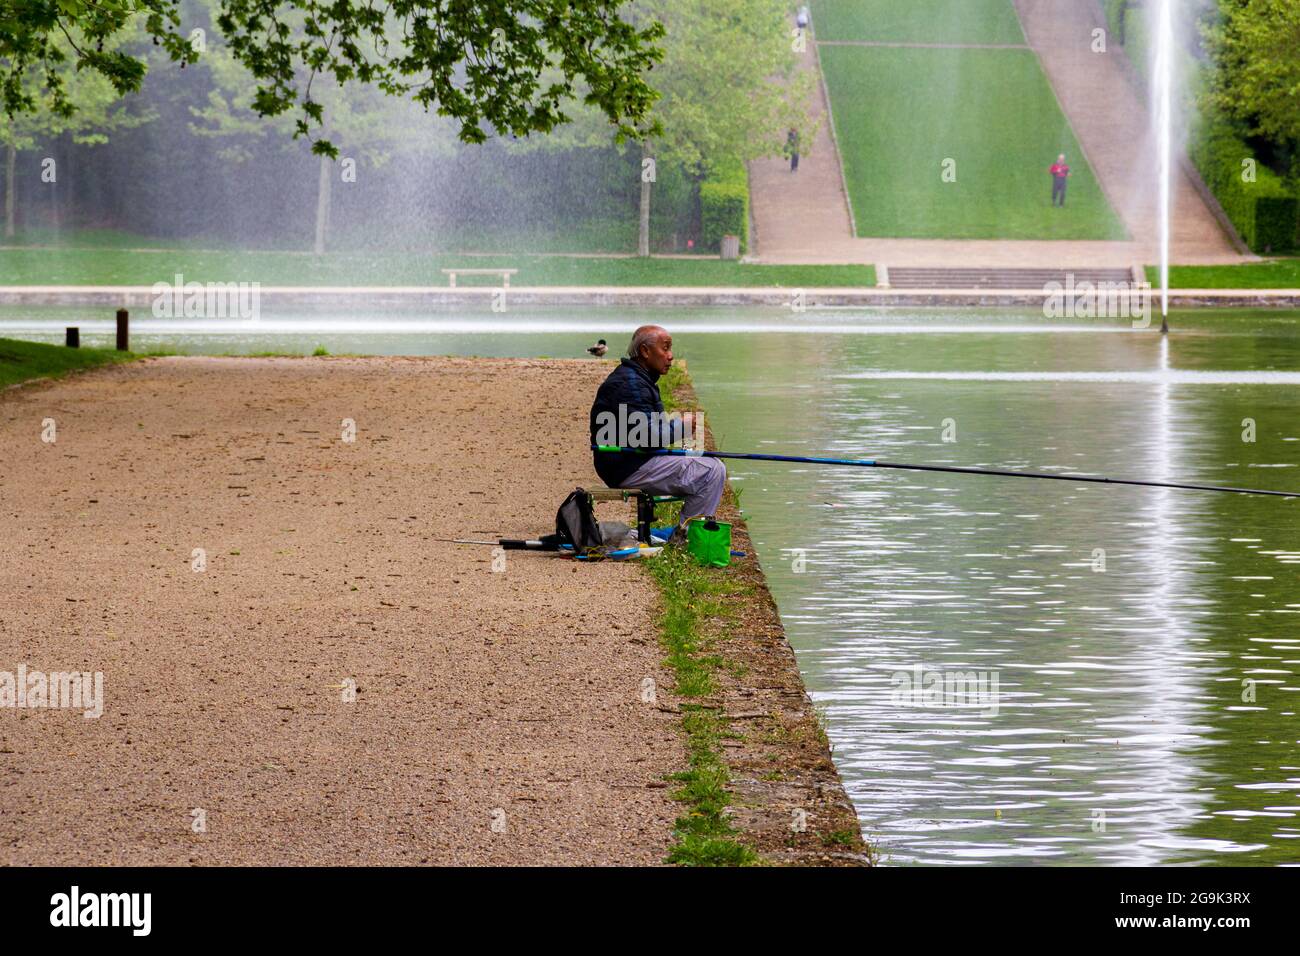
{"type": "Point", "coordinates": [1060, 173]}
{"type": "Point", "coordinates": [792, 149]}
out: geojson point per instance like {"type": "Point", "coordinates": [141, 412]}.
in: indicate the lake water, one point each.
{"type": "Point", "coordinates": [1011, 671]}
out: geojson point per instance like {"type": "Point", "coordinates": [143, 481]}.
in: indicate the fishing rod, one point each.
{"type": "Point", "coordinates": [872, 463]}
{"type": "Point", "coordinates": [547, 543]}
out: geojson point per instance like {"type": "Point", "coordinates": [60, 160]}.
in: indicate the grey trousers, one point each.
{"type": "Point", "coordinates": [698, 480]}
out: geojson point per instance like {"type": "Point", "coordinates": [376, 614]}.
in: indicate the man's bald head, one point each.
{"type": "Point", "coordinates": [652, 346]}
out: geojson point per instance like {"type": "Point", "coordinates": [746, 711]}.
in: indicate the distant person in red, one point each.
{"type": "Point", "coordinates": [1060, 173]}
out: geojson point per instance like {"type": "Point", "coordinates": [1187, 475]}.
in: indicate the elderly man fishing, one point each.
{"type": "Point", "coordinates": [628, 413]}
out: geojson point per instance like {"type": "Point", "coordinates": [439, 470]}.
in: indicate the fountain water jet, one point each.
{"type": "Point", "coordinates": [1163, 81]}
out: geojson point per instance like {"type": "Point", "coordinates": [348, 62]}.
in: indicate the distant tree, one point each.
{"type": "Point", "coordinates": [1257, 46]}
{"type": "Point", "coordinates": [94, 110]}
{"type": "Point", "coordinates": [480, 62]}
{"type": "Point", "coordinates": [729, 86]}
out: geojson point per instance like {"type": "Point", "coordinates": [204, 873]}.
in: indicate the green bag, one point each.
{"type": "Point", "coordinates": [709, 541]}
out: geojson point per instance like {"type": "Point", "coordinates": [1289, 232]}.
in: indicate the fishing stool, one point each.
{"type": "Point", "coordinates": [645, 505]}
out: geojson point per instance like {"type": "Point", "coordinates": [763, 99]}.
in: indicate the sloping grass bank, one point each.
{"type": "Point", "coordinates": [970, 165]}
{"type": "Point", "coordinates": [950, 143]}
{"type": "Point", "coordinates": [918, 21]}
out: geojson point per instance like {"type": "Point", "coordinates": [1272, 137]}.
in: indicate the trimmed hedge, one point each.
{"type": "Point", "coordinates": [724, 206]}
{"type": "Point", "coordinates": [1264, 212]}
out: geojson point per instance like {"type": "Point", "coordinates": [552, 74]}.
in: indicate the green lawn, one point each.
{"type": "Point", "coordinates": [901, 112]}
{"type": "Point", "coordinates": [917, 21]}
{"type": "Point", "coordinates": [115, 266]}
{"type": "Point", "coordinates": [20, 361]}
{"type": "Point", "coordinates": [590, 236]}
{"type": "Point", "coordinates": [1279, 274]}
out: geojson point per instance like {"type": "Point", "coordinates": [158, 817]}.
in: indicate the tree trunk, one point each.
{"type": "Point", "coordinates": [643, 233]}
{"type": "Point", "coordinates": [56, 206]}
{"type": "Point", "coordinates": [322, 204]}
{"type": "Point", "coordinates": [11, 181]}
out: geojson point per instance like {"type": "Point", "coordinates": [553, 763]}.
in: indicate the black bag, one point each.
{"type": "Point", "coordinates": [575, 523]}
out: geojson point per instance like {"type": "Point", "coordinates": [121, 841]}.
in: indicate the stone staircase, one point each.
{"type": "Point", "coordinates": [1006, 278]}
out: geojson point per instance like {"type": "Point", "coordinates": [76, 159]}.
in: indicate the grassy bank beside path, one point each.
{"type": "Point", "coordinates": [22, 361]}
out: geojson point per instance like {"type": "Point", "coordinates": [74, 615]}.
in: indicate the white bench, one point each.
{"type": "Point", "coordinates": [505, 275]}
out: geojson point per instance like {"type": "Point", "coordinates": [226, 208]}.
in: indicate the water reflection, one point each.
{"type": "Point", "coordinates": [1161, 376]}
{"type": "Point", "coordinates": [1114, 741]}
{"type": "Point", "coordinates": [1165, 718]}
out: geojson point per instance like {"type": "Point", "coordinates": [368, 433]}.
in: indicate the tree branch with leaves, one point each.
{"type": "Point", "coordinates": [508, 65]}
{"type": "Point", "coordinates": [1257, 46]}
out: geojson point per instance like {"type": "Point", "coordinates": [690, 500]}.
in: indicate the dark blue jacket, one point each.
{"type": "Point", "coordinates": [634, 387]}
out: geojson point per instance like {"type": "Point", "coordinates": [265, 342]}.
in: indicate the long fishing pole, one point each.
{"type": "Point", "coordinates": [872, 463]}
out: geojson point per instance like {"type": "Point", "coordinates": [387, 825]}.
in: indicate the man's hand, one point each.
{"type": "Point", "coordinates": [692, 432]}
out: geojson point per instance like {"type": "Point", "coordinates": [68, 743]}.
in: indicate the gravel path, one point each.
{"type": "Point", "coordinates": [497, 716]}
